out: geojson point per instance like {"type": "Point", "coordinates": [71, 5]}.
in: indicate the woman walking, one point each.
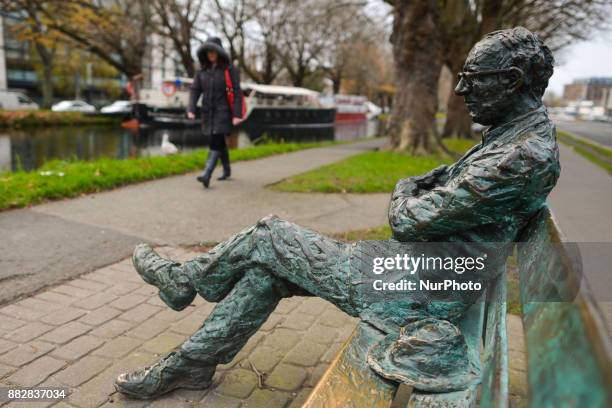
{"type": "Point", "coordinates": [212, 83]}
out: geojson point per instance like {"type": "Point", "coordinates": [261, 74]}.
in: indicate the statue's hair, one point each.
{"type": "Point", "coordinates": [529, 53]}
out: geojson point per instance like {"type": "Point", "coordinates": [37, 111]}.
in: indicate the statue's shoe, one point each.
{"type": "Point", "coordinates": [170, 373]}
{"type": "Point", "coordinates": [174, 286]}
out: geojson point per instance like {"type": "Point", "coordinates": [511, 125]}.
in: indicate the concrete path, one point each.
{"type": "Point", "coordinates": [80, 335]}
{"type": "Point", "coordinates": [52, 242]}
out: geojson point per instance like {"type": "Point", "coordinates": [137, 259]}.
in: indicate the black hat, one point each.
{"type": "Point", "coordinates": [212, 44]}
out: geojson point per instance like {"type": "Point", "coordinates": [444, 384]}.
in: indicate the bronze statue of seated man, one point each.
{"type": "Point", "coordinates": [487, 196]}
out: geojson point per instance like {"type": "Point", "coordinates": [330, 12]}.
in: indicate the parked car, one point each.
{"type": "Point", "coordinates": [15, 100]}
{"type": "Point", "coordinates": [117, 107]}
{"type": "Point", "coordinates": [73, 106]}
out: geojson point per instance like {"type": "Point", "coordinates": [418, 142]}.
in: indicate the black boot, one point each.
{"type": "Point", "coordinates": [172, 372]}
{"type": "Point", "coordinates": [211, 162]}
{"type": "Point", "coordinates": [225, 160]}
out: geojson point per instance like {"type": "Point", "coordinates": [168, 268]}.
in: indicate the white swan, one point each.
{"type": "Point", "coordinates": [168, 147]}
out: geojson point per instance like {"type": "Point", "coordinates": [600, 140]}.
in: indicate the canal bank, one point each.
{"type": "Point", "coordinates": [29, 148]}
{"type": "Point", "coordinates": [49, 243]}
{"type": "Point", "coordinates": [65, 179]}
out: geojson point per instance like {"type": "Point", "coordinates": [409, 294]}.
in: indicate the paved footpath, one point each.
{"type": "Point", "coordinates": [49, 243]}
{"type": "Point", "coordinates": [85, 332]}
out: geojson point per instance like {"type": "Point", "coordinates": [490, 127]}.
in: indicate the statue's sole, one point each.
{"type": "Point", "coordinates": [134, 395]}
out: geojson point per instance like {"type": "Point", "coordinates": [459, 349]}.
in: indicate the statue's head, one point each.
{"type": "Point", "coordinates": [505, 72]}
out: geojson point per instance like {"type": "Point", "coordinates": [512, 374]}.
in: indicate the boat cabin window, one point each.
{"type": "Point", "coordinates": [281, 99]}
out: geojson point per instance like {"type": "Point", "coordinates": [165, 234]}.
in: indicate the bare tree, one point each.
{"type": "Point", "coordinates": [262, 62]}
{"type": "Point", "coordinates": [267, 36]}
{"type": "Point", "coordinates": [230, 18]}
{"type": "Point", "coordinates": [369, 70]}
{"type": "Point", "coordinates": [177, 20]}
{"type": "Point", "coordinates": [349, 29]}
{"type": "Point", "coordinates": [305, 36]}
{"type": "Point", "coordinates": [297, 38]}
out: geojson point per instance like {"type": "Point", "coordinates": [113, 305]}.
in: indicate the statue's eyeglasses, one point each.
{"type": "Point", "coordinates": [468, 76]}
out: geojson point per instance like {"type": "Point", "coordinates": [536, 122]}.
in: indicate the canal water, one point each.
{"type": "Point", "coordinates": [30, 148]}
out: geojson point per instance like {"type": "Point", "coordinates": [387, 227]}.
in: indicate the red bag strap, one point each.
{"type": "Point", "coordinates": [229, 89]}
{"type": "Point", "coordinates": [228, 81]}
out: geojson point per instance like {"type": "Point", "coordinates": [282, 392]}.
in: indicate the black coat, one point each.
{"type": "Point", "coordinates": [209, 83]}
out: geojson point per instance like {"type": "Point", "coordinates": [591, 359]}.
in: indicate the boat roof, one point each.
{"type": "Point", "coordinates": [268, 89]}
{"type": "Point", "coordinates": [278, 89]}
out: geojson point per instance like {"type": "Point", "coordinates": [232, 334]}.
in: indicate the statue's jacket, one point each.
{"type": "Point", "coordinates": [476, 206]}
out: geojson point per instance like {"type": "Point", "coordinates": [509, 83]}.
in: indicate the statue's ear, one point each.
{"type": "Point", "coordinates": [516, 78]}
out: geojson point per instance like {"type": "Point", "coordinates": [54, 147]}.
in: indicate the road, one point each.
{"type": "Point", "coordinates": [600, 132]}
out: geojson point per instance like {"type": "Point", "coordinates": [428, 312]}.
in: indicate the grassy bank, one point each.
{"type": "Point", "coordinates": [370, 172]}
{"type": "Point", "coordinates": [64, 179]}
{"type": "Point", "coordinates": [596, 153]}
{"type": "Point", "coordinates": [39, 118]}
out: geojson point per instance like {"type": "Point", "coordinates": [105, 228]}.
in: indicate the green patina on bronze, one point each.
{"type": "Point", "coordinates": [483, 200]}
{"type": "Point", "coordinates": [567, 345]}
{"type": "Point", "coordinates": [569, 353]}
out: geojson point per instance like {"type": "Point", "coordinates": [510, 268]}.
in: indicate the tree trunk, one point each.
{"type": "Point", "coordinates": [299, 76]}
{"type": "Point", "coordinates": [46, 59]}
{"type": "Point", "coordinates": [187, 61]}
{"type": "Point", "coordinates": [458, 121]}
{"type": "Point", "coordinates": [336, 82]}
{"type": "Point", "coordinates": [491, 16]}
{"type": "Point", "coordinates": [418, 61]}
{"type": "Point", "coordinates": [47, 86]}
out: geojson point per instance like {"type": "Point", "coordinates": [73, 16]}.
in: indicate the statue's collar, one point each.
{"type": "Point", "coordinates": [502, 131]}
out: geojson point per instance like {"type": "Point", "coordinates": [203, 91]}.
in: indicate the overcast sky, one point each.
{"type": "Point", "coordinates": [584, 59]}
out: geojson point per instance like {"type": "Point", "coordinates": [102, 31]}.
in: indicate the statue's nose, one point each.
{"type": "Point", "coordinates": [462, 87]}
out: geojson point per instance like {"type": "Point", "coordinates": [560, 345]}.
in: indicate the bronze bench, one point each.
{"type": "Point", "coordinates": [568, 351]}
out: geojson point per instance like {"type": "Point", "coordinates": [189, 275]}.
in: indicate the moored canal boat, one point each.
{"type": "Point", "coordinates": [278, 112]}
{"type": "Point", "coordinates": [286, 112]}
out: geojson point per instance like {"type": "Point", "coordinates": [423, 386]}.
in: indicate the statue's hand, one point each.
{"type": "Point", "coordinates": [412, 186]}
{"type": "Point", "coordinates": [406, 187]}
{"type": "Point", "coordinates": [429, 180]}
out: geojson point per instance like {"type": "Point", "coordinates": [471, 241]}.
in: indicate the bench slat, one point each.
{"type": "Point", "coordinates": [568, 350]}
